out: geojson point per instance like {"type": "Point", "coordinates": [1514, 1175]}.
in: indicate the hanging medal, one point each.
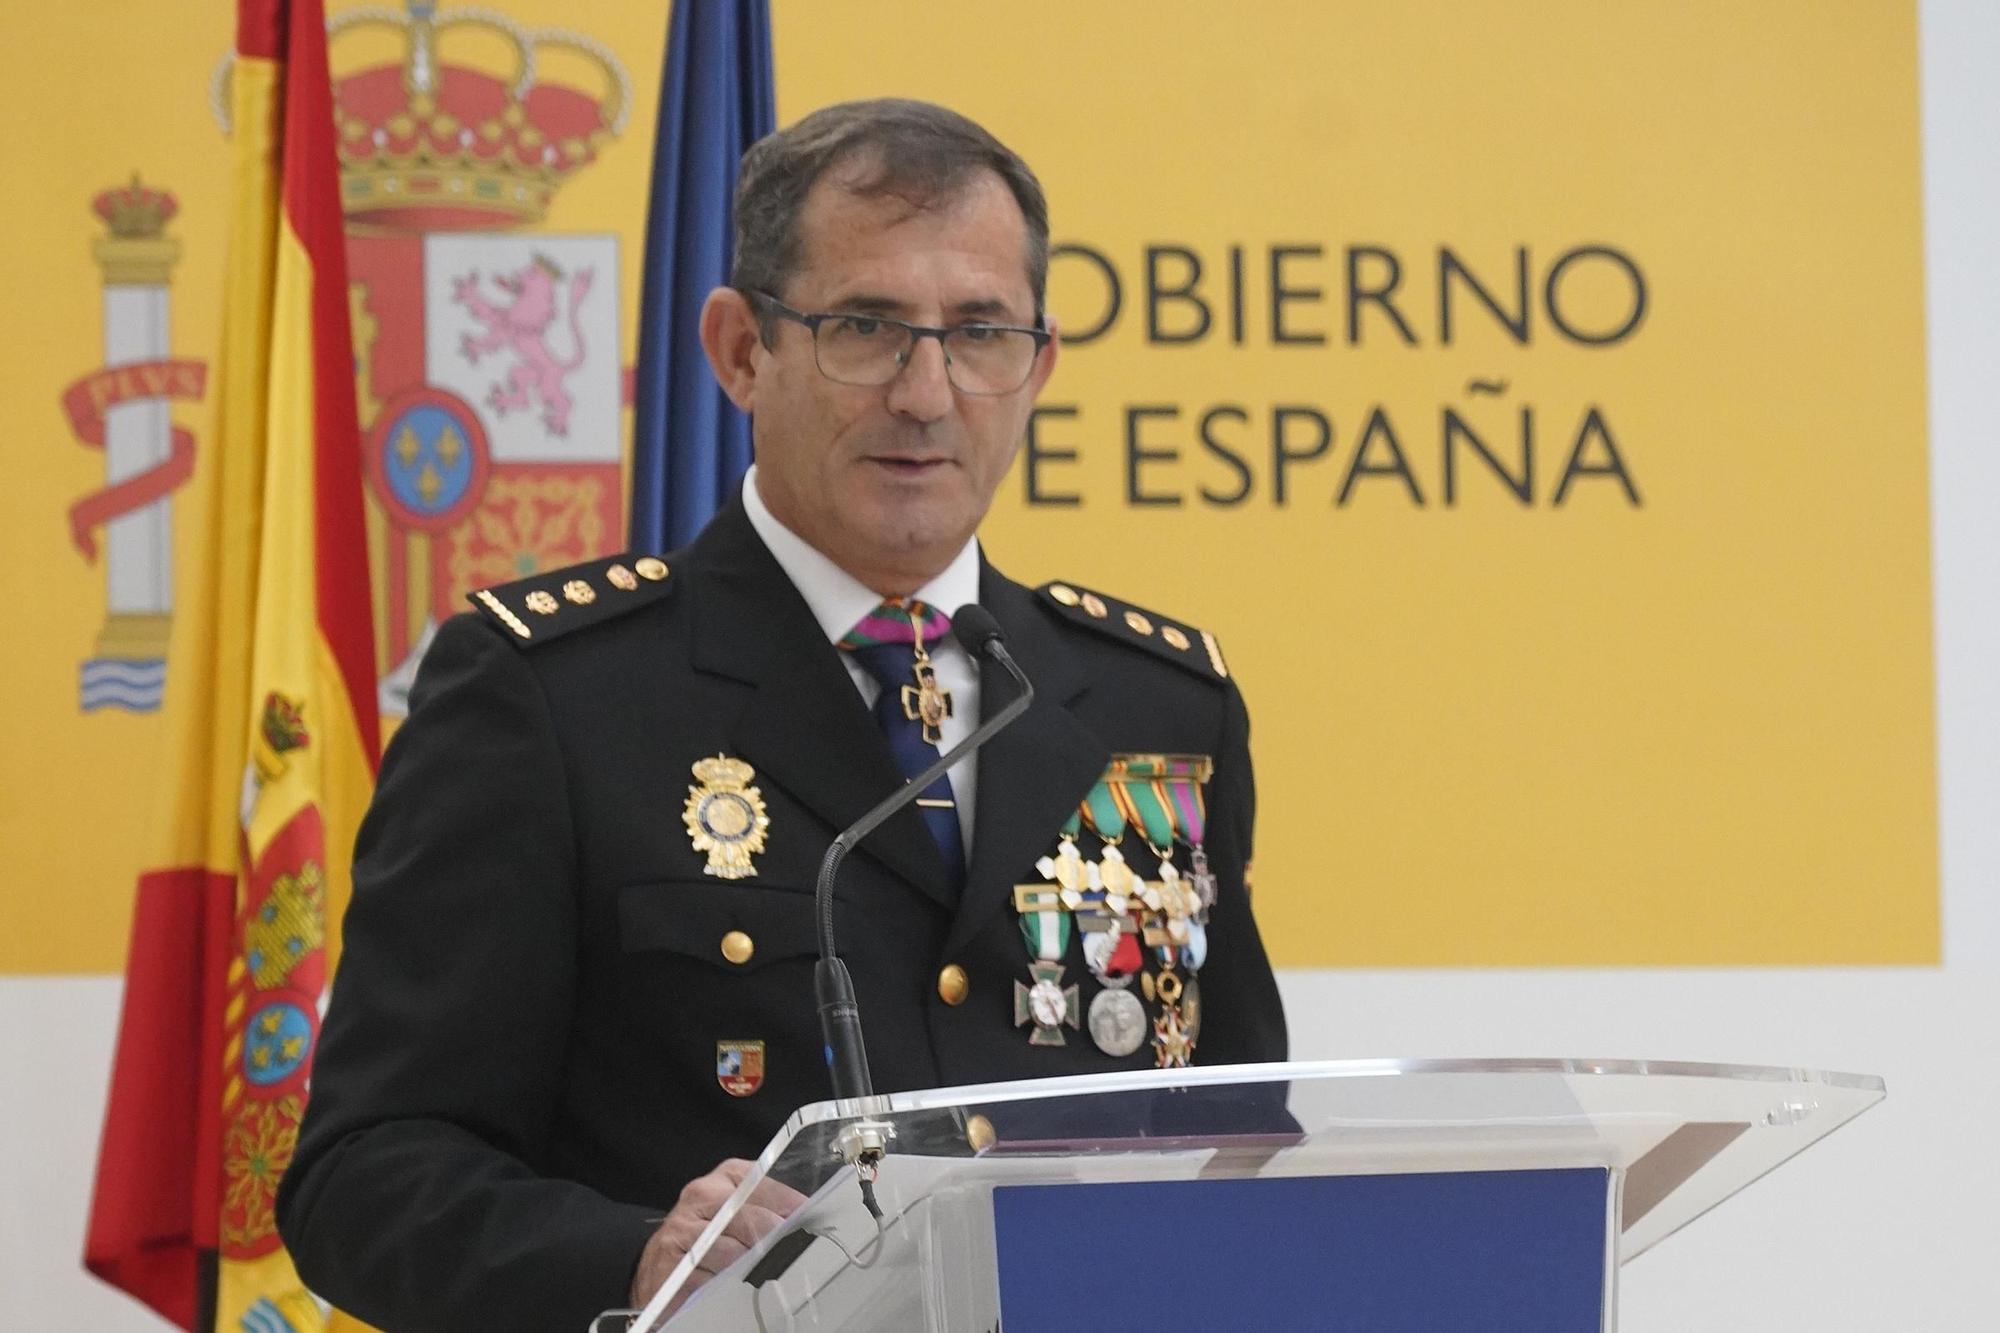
{"type": "Point", "coordinates": [1171, 928]}
{"type": "Point", "coordinates": [1047, 1003]}
{"type": "Point", "coordinates": [1146, 805]}
{"type": "Point", "coordinates": [1173, 1047]}
{"type": "Point", "coordinates": [1044, 911]}
{"type": "Point", "coordinates": [1067, 869]}
{"type": "Point", "coordinates": [1082, 893]}
{"type": "Point", "coordinates": [924, 702]}
{"type": "Point", "coordinates": [1043, 999]}
{"type": "Point", "coordinates": [1117, 1021]}
{"type": "Point", "coordinates": [1107, 820]}
{"type": "Point", "coordinates": [1117, 1018]}
{"type": "Point", "coordinates": [1191, 814]}
{"type": "Point", "coordinates": [1113, 877]}
{"type": "Point", "coordinates": [1182, 792]}
{"type": "Point", "coordinates": [1110, 810]}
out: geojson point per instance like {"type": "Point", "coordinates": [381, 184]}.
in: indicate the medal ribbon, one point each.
{"type": "Point", "coordinates": [1190, 809]}
{"type": "Point", "coordinates": [896, 622]}
{"type": "Point", "coordinates": [1046, 933]}
{"type": "Point", "coordinates": [1128, 767]}
{"type": "Point", "coordinates": [1144, 804]}
{"type": "Point", "coordinates": [1103, 813]}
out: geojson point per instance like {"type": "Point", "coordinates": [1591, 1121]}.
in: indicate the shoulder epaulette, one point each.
{"type": "Point", "coordinates": [551, 604]}
{"type": "Point", "coordinates": [1195, 649]}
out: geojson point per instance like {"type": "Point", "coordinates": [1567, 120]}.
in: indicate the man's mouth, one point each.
{"type": "Point", "coordinates": [906, 466]}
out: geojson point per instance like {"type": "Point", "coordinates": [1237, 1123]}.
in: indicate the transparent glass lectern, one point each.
{"type": "Point", "coordinates": [1435, 1194]}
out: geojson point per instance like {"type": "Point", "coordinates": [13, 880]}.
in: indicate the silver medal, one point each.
{"type": "Point", "coordinates": [1118, 1022]}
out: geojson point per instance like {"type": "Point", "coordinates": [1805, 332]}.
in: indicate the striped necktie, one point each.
{"type": "Point", "coordinates": [890, 644]}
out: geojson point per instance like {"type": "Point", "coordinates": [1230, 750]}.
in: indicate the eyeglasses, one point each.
{"type": "Point", "coordinates": [870, 350]}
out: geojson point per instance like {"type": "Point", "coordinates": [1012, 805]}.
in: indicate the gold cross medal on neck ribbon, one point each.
{"type": "Point", "coordinates": [926, 702]}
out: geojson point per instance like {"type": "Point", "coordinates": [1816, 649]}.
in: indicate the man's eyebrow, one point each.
{"type": "Point", "coordinates": [864, 303]}
{"type": "Point", "coordinates": [869, 303]}
{"type": "Point", "coordinates": [986, 307]}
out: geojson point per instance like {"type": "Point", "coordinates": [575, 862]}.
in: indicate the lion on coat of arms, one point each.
{"type": "Point", "coordinates": [521, 325]}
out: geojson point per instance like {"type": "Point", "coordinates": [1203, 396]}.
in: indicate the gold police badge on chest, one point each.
{"type": "Point", "coordinates": [725, 816]}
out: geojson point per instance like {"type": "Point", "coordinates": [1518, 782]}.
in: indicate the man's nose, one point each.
{"type": "Point", "coordinates": [922, 389]}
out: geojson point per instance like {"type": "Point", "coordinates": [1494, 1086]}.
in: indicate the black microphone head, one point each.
{"type": "Point", "coordinates": [975, 628]}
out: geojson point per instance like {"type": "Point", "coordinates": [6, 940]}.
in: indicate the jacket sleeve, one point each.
{"type": "Point", "coordinates": [412, 1201]}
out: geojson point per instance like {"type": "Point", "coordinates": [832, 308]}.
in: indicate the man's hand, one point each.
{"type": "Point", "coordinates": [770, 1204]}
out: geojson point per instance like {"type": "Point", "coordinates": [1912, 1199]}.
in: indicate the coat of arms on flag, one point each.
{"type": "Point", "coordinates": [271, 725]}
{"type": "Point", "coordinates": [490, 376]}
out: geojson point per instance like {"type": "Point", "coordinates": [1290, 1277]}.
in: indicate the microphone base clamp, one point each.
{"type": "Point", "coordinates": [863, 1144]}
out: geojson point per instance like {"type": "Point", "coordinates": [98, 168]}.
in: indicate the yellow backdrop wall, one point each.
{"type": "Point", "coordinates": [1531, 401]}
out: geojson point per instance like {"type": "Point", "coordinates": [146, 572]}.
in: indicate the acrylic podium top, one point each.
{"type": "Point", "coordinates": [1679, 1137]}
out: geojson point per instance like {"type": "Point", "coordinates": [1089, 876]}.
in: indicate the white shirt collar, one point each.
{"type": "Point", "coordinates": [836, 598]}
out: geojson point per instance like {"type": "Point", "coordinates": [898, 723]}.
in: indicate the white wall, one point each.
{"type": "Point", "coordinates": [1891, 1224]}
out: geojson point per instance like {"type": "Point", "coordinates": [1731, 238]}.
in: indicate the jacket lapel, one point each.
{"type": "Point", "coordinates": [803, 725]}
{"type": "Point", "coordinates": [1035, 773]}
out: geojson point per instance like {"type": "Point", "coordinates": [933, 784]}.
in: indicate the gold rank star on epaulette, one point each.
{"type": "Point", "coordinates": [549, 605]}
{"type": "Point", "coordinates": [1195, 649]}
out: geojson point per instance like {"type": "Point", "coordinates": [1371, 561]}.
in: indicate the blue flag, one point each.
{"type": "Point", "coordinates": [690, 446]}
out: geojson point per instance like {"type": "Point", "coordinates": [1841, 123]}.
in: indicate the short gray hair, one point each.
{"type": "Point", "coordinates": [918, 151]}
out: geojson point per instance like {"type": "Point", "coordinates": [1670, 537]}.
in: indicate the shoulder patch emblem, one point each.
{"type": "Point", "coordinates": [546, 606]}
{"type": "Point", "coordinates": [1194, 649]}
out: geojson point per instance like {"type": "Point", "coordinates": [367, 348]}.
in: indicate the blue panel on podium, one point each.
{"type": "Point", "coordinates": [1471, 1252]}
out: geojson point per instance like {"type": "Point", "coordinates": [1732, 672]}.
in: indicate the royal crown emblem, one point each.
{"type": "Point", "coordinates": [444, 140]}
{"type": "Point", "coordinates": [135, 212]}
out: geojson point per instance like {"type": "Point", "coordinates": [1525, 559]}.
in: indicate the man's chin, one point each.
{"type": "Point", "coordinates": [913, 536]}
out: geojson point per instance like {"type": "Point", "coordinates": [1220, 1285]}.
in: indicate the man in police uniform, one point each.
{"type": "Point", "coordinates": [577, 981]}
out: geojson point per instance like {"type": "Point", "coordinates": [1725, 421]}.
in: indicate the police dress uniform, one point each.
{"type": "Point", "coordinates": [525, 1055]}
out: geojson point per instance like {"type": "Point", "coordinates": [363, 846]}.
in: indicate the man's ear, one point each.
{"type": "Point", "coordinates": [731, 339]}
{"type": "Point", "coordinates": [1045, 363]}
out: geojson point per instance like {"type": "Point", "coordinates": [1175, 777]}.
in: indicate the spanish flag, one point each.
{"type": "Point", "coordinates": [271, 735]}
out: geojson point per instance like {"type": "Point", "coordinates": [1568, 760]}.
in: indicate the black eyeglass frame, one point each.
{"type": "Point", "coordinates": [917, 333]}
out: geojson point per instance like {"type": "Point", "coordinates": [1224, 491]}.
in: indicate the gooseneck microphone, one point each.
{"type": "Point", "coordinates": [839, 1016]}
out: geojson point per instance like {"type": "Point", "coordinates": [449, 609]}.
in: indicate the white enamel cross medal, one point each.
{"type": "Point", "coordinates": [1048, 1004]}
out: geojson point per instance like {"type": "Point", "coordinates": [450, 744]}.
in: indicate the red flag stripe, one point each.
{"type": "Point", "coordinates": [260, 28]}
{"type": "Point", "coordinates": [312, 207]}
{"type": "Point", "coordinates": [157, 1205]}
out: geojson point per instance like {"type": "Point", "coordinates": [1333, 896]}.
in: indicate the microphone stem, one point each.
{"type": "Point", "coordinates": [829, 865]}
{"type": "Point", "coordinates": [839, 1014]}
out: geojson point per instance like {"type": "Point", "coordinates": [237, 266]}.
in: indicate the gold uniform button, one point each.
{"type": "Point", "coordinates": [1063, 593]}
{"type": "Point", "coordinates": [979, 1133]}
{"type": "Point", "coordinates": [952, 985]}
{"type": "Point", "coordinates": [737, 947]}
{"type": "Point", "coordinates": [651, 568]}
